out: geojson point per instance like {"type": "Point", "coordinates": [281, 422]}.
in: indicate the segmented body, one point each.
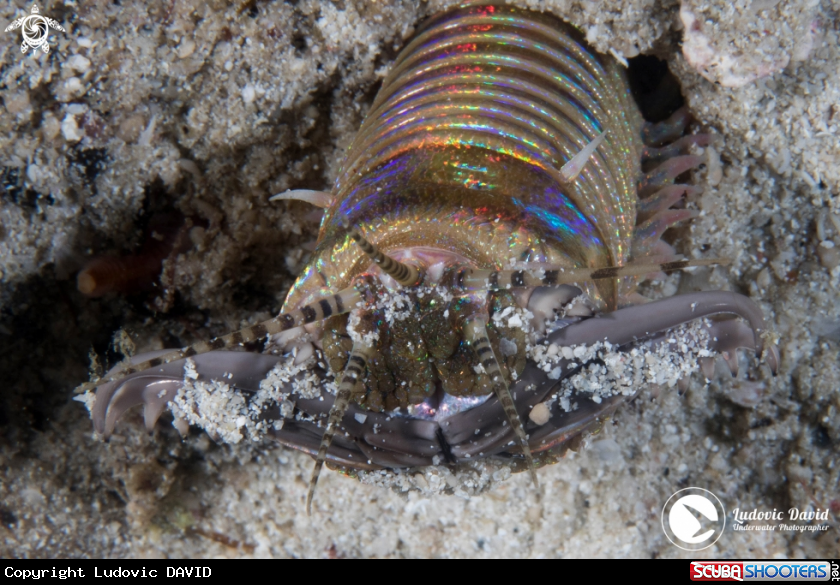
{"type": "Point", "coordinates": [463, 146]}
{"type": "Point", "coordinates": [468, 164]}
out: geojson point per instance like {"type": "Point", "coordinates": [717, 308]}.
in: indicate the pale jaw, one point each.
{"type": "Point", "coordinates": [581, 373]}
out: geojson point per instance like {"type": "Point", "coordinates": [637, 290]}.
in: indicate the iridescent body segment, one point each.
{"type": "Point", "coordinates": [462, 151]}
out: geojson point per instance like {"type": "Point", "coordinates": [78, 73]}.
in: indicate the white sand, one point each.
{"type": "Point", "coordinates": [229, 105]}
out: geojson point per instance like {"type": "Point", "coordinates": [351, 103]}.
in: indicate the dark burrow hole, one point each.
{"type": "Point", "coordinates": [12, 189]}
{"type": "Point", "coordinates": [821, 438]}
{"type": "Point", "coordinates": [89, 161]}
{"type": "Point", "coordinates": [655, 89]}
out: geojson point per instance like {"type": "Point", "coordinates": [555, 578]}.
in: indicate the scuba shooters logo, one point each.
{"type": "Point", "coordinates": [763, 571]}
{"type": "Point", "coordinates": [693, 519]}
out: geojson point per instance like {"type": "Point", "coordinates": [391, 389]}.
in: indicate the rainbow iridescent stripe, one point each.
{"type": "Point", "coordinates": [462, 150]}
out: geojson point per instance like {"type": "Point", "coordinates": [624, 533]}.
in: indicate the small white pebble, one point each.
{"type": "Point", "coordinates": [249, 94]}
{"type": "Point", "coordinates": [50, 126]}
{"type": "Point", "coordinates": [78, 63]}
{"type": "Point", "coordinates": [507, 347]}
{"type": "Point", "coordinates": [76, 109]}
{"type": "Point", "coordinates": [72, 86]}
{"type": "Point", "coordinates": [540, 414]}
{"type": "Point", "coordinates": [70, 130]}
{"type": "Point", "coordinates": [186, 48]}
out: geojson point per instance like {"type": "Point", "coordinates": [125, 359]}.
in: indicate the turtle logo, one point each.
{"type": "Point", "coordinates": [36, 30]}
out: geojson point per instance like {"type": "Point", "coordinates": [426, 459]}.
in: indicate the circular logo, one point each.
{"type": "Point", "coordinates": [693, 519]}
{"type": "Point", "coordinates": [35, 30]}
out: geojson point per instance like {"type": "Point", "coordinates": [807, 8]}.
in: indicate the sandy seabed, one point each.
{"type": "Point", "coordinates": [209, 108]}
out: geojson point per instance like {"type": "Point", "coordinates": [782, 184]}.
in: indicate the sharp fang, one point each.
{"type": "Point", "coordinates": [316, 198]}
{"type": "Point", "coordinates": [707, 366]}
{"type": "Point", "coordinates": [152, 412]}
{"type": "Point", "coordinates": [731, 359]}
{"type": "Point", "coordinates": [573, 168]}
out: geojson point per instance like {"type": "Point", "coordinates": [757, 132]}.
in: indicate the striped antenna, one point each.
{"type": "Point", "coordinates": [476, 334]}
{"type": "Point", "coordinates": [470, 279]}
{"type": "Point", "coordinates": [354, 374]}
{"type": "Point", "coordinates": [337, 304]}
{"type": "Point", "coordinates": [403, 273]}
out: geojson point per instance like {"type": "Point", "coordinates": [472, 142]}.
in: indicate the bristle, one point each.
{"type": "Point", "coordinates": [665, 173]}
{"type": "Point", "coordinates": [649, 231]}
{"type": "Point", "coordinates": [353, 373]}
{"type": "Point", "coordinates": [573, 168]}
{"type": "Point", "coordinates": [476, 333]}
{"type": "Point", "coordinates": [668, 130]}
{"type": "Point", "coordinates": [652, 155]}
{"type": "Point", "coordinates": [663, 199]}
{"type": "Point", "coordinates": [403, 273]}
{"type": "Point", "coordinates": [555, 276]}
{"type": "Point", "coordinates": [343, 302]}
{"type": "Point", "coordinates": [317, 198]}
